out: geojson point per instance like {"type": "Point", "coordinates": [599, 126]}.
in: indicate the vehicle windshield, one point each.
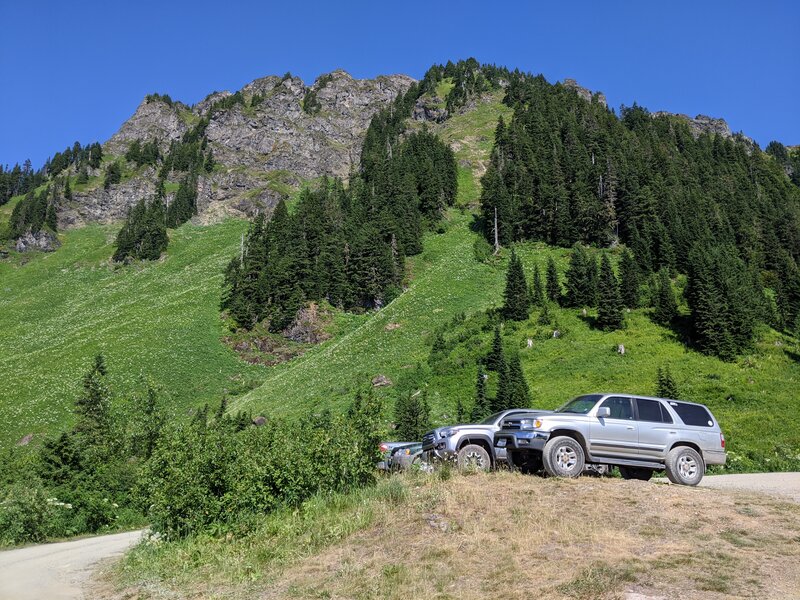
{"type": "Point", "coordinates": [580, 405]}
{"type": "Point", "coordinates": [491, 420]}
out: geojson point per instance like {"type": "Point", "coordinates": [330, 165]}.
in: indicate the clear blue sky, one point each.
{"type": "Point", "coordinates": [77, 70]}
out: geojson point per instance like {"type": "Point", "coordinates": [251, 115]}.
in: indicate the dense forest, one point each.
{"type": "Point", "coordinates": [565, 170]}
{"type": "Point", "coordinates": [346, 245]}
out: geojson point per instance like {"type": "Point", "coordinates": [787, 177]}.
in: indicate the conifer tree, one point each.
{"type": "Point", "coordinates": [665, 308]}
{"type": "Point", "coordinates": [412, 415]}
{"type": "Point", "coordinates": [516, 301]}
{"type": "Point", "coordinates": [93, 406]}
{"type": "Point", "coordinates": [503, 395]}
{"type": "Point", "coordinates": [67, 189]}
{"type": "Point", "coordinates": [665, 384]}
{"type": "Point", "coordinates": [553, 286]}
{"type": "Point", "coordinates": [581, 279]}
{"type": "Point", "coordinates": [629, 280]}
{"type": "Point", "coordinates": [609, 309]}
{"type": "Point", "coordinates": [537, 289]}
{"type": "Point", "coordinates": [495, 360]}
{"type": "Point", "coordinates": [113, 175]}
{"type": "Point", "coordinates": [517, 393]}
{"type": "Point", "coordinates": [481, 407]}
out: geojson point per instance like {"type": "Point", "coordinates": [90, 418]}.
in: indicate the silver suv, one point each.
{"type": "Point", "coordinates": [638, 434]}
{"type": "Point", "coordinates": [470, 445]}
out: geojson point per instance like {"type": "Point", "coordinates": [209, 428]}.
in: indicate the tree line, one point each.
{"type": "Point", "coordinates": [565, 170]}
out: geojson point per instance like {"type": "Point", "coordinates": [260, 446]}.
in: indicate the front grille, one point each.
{"type": "Point", "coordinates": [511, 424]}
{"type": "Point", "coordinates": [428, 439]}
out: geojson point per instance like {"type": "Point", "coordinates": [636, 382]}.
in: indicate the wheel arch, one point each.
{"type": "Point", "coordinates": [576, 435]}
{"type": "Point", "coordinates": [478, 440]}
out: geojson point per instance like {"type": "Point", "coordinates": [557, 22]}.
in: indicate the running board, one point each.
{"type": "Point", "coordinates": [645, 464]}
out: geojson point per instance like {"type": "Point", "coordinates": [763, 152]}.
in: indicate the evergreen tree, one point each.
{"type": "Point", "coordinates": [516, 391]}
{"type": "Point", "coordinates": [609, 309]}
{"type": "Point", "coordinates": [629, 280]}
{"type": "Point", "coordinates": [502, 398]}
{"type": "Point", "coordinates": [581, 279]}
{"type": "Point", "coordinates": [537, 290]}
{"type": "Point", "coordinates": [665, 384]}
{"type": "Point", "coordinates": [516, 301]}
{"type": "Point", "coordinates": [93, 407]}
{"type": "Point", "coordinates": [412, 415]}
{"type": "Point", "coordinates": [67, 189]}
{"type": "Point", "coordinates": [553, 286]}
{"type": "Point", "coordinates": [481, 407]}
{"type": "Point", "coordinates": [495, 360]}
{"type": "Point", "coordinates": [665, 308]}
{"type": "Point", "coordinates": [113, 175]}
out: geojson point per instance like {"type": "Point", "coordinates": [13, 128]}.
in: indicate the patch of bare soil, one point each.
{"type": "Point", "coordinates": [511, 536]}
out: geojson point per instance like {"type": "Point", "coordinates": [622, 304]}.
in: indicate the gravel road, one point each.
{"type": "Point", "coordinates": [57, 571]}
{"type": "Point", "coordinates": [782, 485]}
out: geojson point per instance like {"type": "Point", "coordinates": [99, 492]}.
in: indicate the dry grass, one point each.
{"type": "Point", "coordinates": [506, 535]}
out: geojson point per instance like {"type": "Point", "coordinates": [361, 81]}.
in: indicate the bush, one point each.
{"type": "Point", "coordinates": [28, 515]}
{"type": "Point", "coordinates": [207, 475]}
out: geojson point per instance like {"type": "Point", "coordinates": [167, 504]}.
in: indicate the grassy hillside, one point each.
{"type": "Point", "coordinates": [161, 320]}
{"type": "Point", "coordinates": [484, 536]}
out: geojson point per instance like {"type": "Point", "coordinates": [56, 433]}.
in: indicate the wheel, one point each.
{"type": "Point", "coordinates": [527, 463]}
{"type": "Point", "coordinates": [635, 473]}
{"type": "Point", "coordinates": [563, 457]}
{"type": "Point", "coordinates": [473, 456]}
{"type": "Point", "coordinates": [685, 466]}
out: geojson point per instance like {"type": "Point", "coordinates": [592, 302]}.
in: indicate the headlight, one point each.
{"type": "Point", "coordinates": [530, 424]}
{"type": "Point", "coordinates": [447, 433]}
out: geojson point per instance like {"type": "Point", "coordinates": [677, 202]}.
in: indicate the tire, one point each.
{"type": "Point", "coordinates": [473, 456]}
{"type": "Point", "coordinates": [635, 473]}
{"type": "Point", "coordinates": [685, 466]}
{"type": "Point", "coordinates": [563, 456]}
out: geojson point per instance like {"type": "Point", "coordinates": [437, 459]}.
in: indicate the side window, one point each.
{"type": "Point", "coordinates": [692, 414]}
{"type": "Point", "coordinates": [621, 408]}
{"type": "Point", "coordinates": [649, 410]}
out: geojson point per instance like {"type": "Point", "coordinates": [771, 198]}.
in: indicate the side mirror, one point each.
{"type": "Point", "coordinates": [603, 412]}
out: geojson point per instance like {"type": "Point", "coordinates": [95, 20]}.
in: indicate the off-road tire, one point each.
{"type": "Point", "coordinates": [475, 457]}
{"type": "Point", "coordinates": [685, 466]}
{"type": "Point", "coordinates": [563, 456]}
{"type": "Point", "coordinates": [635, 473]}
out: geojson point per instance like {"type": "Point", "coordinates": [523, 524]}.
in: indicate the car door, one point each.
{"type": "Point", "coordinates": [616, 435]}
{"type": "Point", "coordinates": [656, 430]}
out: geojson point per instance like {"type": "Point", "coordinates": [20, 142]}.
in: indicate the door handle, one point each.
{"type": "Point", "coordinates": [630, 427]}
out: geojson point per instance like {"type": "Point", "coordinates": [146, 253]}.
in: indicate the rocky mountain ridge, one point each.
{"type": "Point", "coordinates": [261, 148]}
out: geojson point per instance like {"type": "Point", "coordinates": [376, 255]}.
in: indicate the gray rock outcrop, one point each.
{"type": "Point", "coordinates": [583, 92]}
{"type": "Point", "coordinates": [43, 240]}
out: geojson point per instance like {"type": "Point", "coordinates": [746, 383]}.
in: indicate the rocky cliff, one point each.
{"type": "Point", "coordinates": [291, 133]}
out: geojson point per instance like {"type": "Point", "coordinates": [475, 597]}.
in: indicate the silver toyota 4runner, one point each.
{"type": "Point", "coordinates": [470, 445]}
{"type": "Point", "coordinates": [638, 434]}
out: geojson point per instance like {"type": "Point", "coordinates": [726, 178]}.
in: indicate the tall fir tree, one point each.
{"type": "Point", "coordinates": [412, 415]}
{"type": "Point", "coordinates": [516, 301]}
{"type": "Point", "coordinates": [517, 392]}
{"type": "Point", "coordinates": [553, 287]}
{"type": "Point", "coordinates": [629, 280]}
{"type": "Point", "coordinates": [93, 406]}
{"type": "Point", "coordinates": [609, 310]}
{"type": "Point", "coordinates": [665, 307]}
{"type": "Point", "coordinates": [481, 408]}
{"type": "Point", "coordinates": [495, 360]}
{"type": "Point", "coordinates": [665, 384]}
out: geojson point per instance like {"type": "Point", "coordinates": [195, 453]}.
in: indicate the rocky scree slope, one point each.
{"type": "Point", "coordinates": [262, 148]}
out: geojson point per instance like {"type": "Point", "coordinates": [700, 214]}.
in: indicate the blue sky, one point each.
{"type": "Point", "coordinates": [77, 70]}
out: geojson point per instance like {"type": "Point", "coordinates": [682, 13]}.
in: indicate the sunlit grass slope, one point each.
{"type": "Point", "coordinates": [157, 319]}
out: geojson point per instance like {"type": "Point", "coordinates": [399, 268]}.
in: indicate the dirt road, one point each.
{"type": "Point", "coordinates": [58, 571]}
{"type": "Point", "coordinates": [782, 485]}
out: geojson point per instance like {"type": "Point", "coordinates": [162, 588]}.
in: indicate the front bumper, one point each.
{"type": "Point", "coordinates": [520, 440]}
{"type": "Point", "coordinates": [715, 457]}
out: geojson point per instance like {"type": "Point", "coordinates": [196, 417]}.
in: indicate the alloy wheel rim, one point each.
{"type": "Point", "coordinates": [566, 458]}
{"type": "Point", "coordinates": [687, 467]}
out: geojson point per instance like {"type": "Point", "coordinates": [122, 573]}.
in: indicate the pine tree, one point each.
{"type": "Point", "coordinates": [537, 290]}
{"type": "Point", "coordinates": [516, 302]}
{"type": "Point", "coordinates": [113, 175]}
{"type": "Point", "coordinates": [481, 408]}
{"type": "Point", "coordinates": [517, 393]}
{"type": "Point", "coordinates": [93, 407]}
{"type": "Point", "coordinates": [412, 415]}
{"type": "Point", "coordinates": [665, 308]}
{"type": "Point", "coordinates": [665, 384]}
{"type": "Point", "coordinates": [502, 398]}
{"type": "Point", "coordinates": [553, 286]}
{"type": "Point", "coordinates": [629, 280]}
{"type": "Point", "coordinates": [495, 360]}
{"type": "Point", "coordinates": [609, 309]}
{"type": "Point", "coordinates": [580, 280]}
{"type": "Point", "coordinates": [67, 189]}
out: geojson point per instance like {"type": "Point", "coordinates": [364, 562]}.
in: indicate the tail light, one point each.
{"type": "Point", "coordinates": [722, 441]}
{"type": "Point", "coordinates": [383, 448]}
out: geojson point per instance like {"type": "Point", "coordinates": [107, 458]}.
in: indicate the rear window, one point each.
{"type": "Point", "coordinates": [693, 414]}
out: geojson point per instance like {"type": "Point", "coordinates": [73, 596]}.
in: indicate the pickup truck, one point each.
{"type": "Point", "coordinates": [637, 434]}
